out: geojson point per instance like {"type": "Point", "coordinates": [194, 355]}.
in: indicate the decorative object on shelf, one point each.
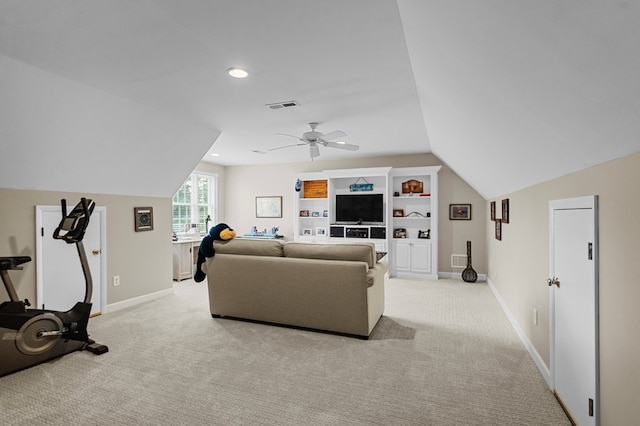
{"type": "Point", "coordinates": [399, 233]}
{"type": "Point", "coordinates": [315, 214]}
{"type": "Point", "coordinates": [505, 210]}
{"type": "Point", "coordinates": [321, 231]}
{"type": "Point", "coordinates": [298, 185]}
{"type": "Point", "coordinates": [325, 213]}
{"type": "Point", "coordinates": [396, 194]}
{"type": "Point", "coordinates": [304, 213]}
{"type": "Point", "coordinates": [143, 218]}
{"type": "Point", "coordinates": [269, 206]}
{"type": "Point", "coordinates": [263, 234]}
{"type": "Point", "coordinates": [424, 234]}
{"type": "Point", "coordinates": [499, 229]}
{"type": "Point", "coordinates": [398, 213]}
{"type": "Point", "coordinates": [315, 188]}
{"type": "Point", "coordinates": [469, 275]}
{"type": "Point", "coordinates": [493, 210]}
{"type": "Point", "coordinates": [418, 214]}
{"type": "Point", "coordinates": [459, 211]}
{"type": "Point", "coordinates": [412, 187]}
{"type": "Point", "coordinates": [366, 186]}
{"type": "Point", "coordinates": [306, 231]}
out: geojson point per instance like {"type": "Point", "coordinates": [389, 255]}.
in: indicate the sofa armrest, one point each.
{"type": "Point", "coordinates": [377, 273]}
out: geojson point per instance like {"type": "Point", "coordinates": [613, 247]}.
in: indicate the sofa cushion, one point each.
{"type": "Point", "coordinates": [250, 247]}
{"type": "Point", "coordinates": [361, 252]}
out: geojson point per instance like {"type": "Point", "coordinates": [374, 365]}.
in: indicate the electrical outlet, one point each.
{"type": "Point", "coordinates": [116, 280]}
{"type": "Point", "coordinates": [535, 316]}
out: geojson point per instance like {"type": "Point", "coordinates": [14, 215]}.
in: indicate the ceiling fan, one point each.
{"type": "Point", "coordinates": [315, 139]}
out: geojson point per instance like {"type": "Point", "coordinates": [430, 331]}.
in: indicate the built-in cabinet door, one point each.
{"type": "Point", "coordinates": [421, 257]}
{"type": "Point", "coordinates": [402, 256]}
{"type": "Point", "coordinates": [411, 256]}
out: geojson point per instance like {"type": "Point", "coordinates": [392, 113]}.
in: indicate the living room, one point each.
{"type": "Point", "coordinates": [597, 113]}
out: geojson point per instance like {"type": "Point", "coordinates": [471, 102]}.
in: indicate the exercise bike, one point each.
{"type": "Point", "coordinates": [31, 336]}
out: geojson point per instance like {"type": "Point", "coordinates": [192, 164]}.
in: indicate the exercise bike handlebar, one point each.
{"type": "Point", "coordinates": [73, 225]}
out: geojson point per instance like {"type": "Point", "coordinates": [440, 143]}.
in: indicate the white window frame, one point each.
{"type": "Point", "coordinates": [212, 206]}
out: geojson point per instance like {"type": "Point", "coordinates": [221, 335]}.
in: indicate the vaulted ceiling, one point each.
{"type": "Point", "coordinates": [127, 97]}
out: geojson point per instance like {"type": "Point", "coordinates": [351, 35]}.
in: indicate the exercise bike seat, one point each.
{"type": "Point", "coordinates": [12, 262]}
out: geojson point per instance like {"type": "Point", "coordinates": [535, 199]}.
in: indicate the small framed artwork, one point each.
{"type": "Point", "coordinates": [306, 231]}
{"type": "Point", "coordinates": [269, 206]}
{"type": "Point", "coordinates": [304, 213]}
{"type": "Point", "coordinates": [315, 214]}
{"type": "Point", "coordinates": [459, 211]}
{"type": "Point", "coordinates": [498, 229]}
{"type": "Point", "coordinates": [505, 210]}
{"type": "Point", "coordinates": [321, 231]}
{"type": "Point", "coordinates": [325, 213]}
{"type": "Point", "coordinates": [398, 212]}
{"type": "Point", "coordinates": [143, 218]}
{"type": "Point", "coordinates": [424, 234]}
{"type": "Point", "coordinates": [493, 210]}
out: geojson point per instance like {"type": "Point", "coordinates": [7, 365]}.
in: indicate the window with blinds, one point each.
{"type": "Point", "coordinates": [193, 203]}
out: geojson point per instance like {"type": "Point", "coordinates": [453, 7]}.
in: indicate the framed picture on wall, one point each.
{"type": "Point", "coordinates": [505, 210]}
{"type": "Point", "coordinates": [269, 206]}
{"type": "Point", "coordinates": [498, 229]}
{"type": "Point", "coordinates": [493, 210]}
{"type": "Point", "coordinates": [459, 211]}
{"type": "Point", "coordinates": [143, 218]}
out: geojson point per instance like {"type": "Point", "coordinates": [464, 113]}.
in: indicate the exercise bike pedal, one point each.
{"type": "Point", "coordinates": [96, 348]}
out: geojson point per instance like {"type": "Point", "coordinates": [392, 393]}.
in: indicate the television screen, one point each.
{"type": "Point", "coordinates": [359, 208]}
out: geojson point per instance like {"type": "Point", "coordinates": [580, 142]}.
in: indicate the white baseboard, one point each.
{"type": "Point", "coordinates": [546, 374]}
{"type": "Point", "coordinates": [136, 301]}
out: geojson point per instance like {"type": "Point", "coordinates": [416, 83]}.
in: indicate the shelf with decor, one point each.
{"type": "Point", "coordinates": [371, 204]}
{"type": "Point", "coordinates": [311, 201]}
{"type": "Point", "coordinates": [414, 222]}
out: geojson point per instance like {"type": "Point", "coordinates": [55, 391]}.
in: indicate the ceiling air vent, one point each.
{"type": "Point", "coordinates": [278, 105]}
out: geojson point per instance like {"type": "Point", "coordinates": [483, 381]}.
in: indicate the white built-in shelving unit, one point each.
{"type": "Point", "coordinates": [413, 252]}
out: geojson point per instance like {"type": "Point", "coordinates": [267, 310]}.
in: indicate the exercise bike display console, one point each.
{"type": "Point", "coordinates": [31, 336]}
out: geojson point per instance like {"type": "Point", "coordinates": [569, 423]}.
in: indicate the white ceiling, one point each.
{"type": "Point", "coordinates": [509, 92]}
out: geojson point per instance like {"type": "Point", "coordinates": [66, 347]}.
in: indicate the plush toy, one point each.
{"type": "Point", "coordinates": [221, 232]}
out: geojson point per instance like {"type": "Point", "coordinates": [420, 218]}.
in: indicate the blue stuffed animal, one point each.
{"type": "Point", "coordinates": [220, 232]}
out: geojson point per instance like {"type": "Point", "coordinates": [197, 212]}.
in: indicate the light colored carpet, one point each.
{"type": "Point", "coordinates": [443, 354]}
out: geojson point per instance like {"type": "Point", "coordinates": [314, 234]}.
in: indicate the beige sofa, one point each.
{"type": "Point", "coordinates": [332, 287]}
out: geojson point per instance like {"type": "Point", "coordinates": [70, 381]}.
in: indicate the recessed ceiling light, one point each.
{"type": "Point", "coordinates": [236, 72]}
{"type": "Point", "coordinates": [215, 154]}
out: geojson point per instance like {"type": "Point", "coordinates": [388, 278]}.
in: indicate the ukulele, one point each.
{"type": "Point", "coordinates": [469, 275]}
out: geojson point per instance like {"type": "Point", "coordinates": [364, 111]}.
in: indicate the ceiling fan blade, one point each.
{"type": "Point", "coordinates": [286, 146]}
{"type": "Point", "coordinates": [347, 146]}
{"type": "Point", "coordinates": [291, 136]}
{"type": "Point", "coordinates": [334, 135]}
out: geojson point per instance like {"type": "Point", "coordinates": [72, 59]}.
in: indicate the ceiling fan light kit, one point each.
{"type": "Point", "coordinates": [314, 139]}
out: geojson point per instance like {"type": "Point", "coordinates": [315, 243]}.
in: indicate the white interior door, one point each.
{"type": "Point", "coordinates": [574, 302]}
{"type": "Point", "coordinates": [60, 281]}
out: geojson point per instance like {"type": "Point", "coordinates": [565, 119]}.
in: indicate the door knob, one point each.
{"type": "Point", "coordinates": [95, 252]}
{"type": "Point", "coordinates": [553, 281]}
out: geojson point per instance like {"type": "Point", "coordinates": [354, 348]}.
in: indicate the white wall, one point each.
{"type": "Point", "coordinates": [244, 183]}
{"type": "Point", "coordinates": [518, 267]}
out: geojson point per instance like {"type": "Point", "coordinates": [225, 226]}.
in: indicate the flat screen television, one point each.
{"type": "Point", "coordinates": [359, 208]}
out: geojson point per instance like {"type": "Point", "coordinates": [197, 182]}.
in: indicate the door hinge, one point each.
{"type": "Point", "coordinates": [590, 251]}
{"type": "Point", "coordinates": [590, 407]}
{"type": "Point", "coordinates": [42, 232]}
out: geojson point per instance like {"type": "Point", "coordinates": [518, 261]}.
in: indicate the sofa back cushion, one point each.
{"type": "Point", "coordinates": [361, 252]}
{"type": "Point", "coordinates": [249, 247]}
